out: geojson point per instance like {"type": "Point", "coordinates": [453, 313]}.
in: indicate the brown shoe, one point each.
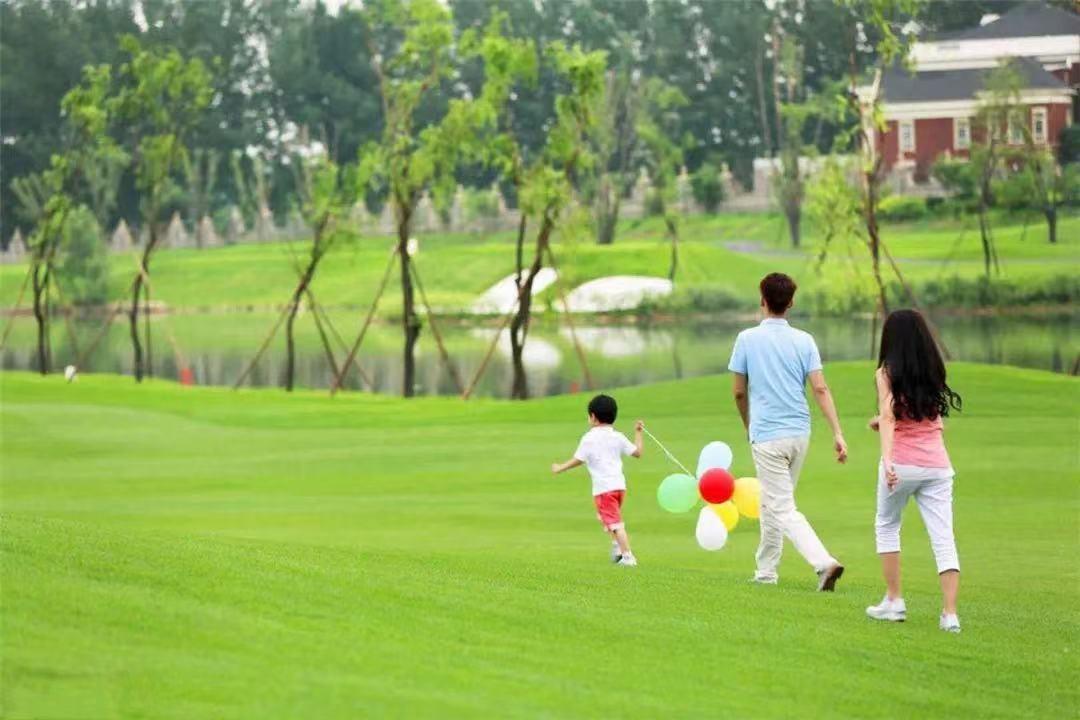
{"type": "Point", "coordinates": [827, 578]}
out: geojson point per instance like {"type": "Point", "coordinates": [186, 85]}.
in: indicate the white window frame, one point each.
{"type": "Point", "coordinates": [906, 147]}
{"type": "Point", "coordinates": [1014, 134]}
{"type": "Point", "coordinates": [1040, 114]}
{"type": "Point", "coordinates": [965, 142]}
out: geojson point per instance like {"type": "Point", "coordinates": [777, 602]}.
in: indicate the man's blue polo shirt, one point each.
{"type": "Point", "coordinates": [776, 358]}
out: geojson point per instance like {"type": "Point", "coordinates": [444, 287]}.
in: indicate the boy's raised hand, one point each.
{"type": "Point", "coordinates": [639, 425]}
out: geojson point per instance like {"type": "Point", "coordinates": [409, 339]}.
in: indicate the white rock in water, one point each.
{"type": "Point", "coordinates": [617, 292]}
{"type": "Point", "coordinates": [69, 373]}
{"type": "Point", "coordinates": [501, 297]}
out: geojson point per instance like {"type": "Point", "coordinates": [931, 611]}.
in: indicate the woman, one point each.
{"type": "Point", "coordinates": [913, 397]}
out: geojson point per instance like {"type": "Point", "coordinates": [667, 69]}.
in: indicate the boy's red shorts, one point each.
{"type": "Point", "coordinates": [609, 509]}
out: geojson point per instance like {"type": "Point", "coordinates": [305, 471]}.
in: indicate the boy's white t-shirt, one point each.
{"type": "Point", "coordinates": [602, 449]}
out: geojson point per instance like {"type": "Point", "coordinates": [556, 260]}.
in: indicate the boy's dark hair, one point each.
{"type": "Point", "coordinates": [777, 289]}
{"type": "Point", "coordinates": [604, 409]}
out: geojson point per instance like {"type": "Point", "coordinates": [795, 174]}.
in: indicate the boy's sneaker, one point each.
{"type": "Point", "coordinates": [827, 578]}
{"type": "Point", "coordinates": [615, 554]}
{"type": "Point", "coordinates": [763, 580]}
{"type": "Point", "coordinates": [891, 610]}
{"type": "Point", "coordinates": [627, 561]}
{"type": "Point", "coordinates": [950, 623]}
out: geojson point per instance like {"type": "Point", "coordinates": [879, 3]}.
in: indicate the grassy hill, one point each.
{"type": "Point", "coordinates": [194, 552]}
{"type": "Point", "coordinates": [723, 257]}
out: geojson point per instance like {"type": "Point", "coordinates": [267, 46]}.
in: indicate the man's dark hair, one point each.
{"type": "Point", "coordinates": [777, 289]}
{"type": "Point", "coordinates": [604, 409]}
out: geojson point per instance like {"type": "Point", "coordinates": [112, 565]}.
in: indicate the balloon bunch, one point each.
{"type": "Point", "coordinates": [726, 498]}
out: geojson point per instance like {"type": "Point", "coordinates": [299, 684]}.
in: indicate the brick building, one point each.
{"type": "Point", "coordinates": [932, 112]}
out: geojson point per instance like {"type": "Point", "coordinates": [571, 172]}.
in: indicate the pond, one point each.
{"type": "Point", "coordinates": [214, 348]}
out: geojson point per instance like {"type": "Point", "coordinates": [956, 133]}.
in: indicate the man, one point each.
{"type": "Point", "coordinates": [777, 360]}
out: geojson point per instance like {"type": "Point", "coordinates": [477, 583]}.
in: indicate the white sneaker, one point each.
{"type": "Point", "coordinates": [615, 554]}
{"type": "Point", "coordinates": [627, 561]}
{"type": "Point", "coordinates": [950, 623]}
{"type": "Point", "coordinates": [891, 610]}
{"type": "Point", "coordinates": [763, 580]}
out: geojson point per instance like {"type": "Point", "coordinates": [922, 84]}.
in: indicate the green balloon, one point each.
{"type": "Point", "coordinates": [677, 493]}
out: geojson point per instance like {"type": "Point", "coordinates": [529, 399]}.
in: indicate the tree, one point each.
{"type": "Point", "coordinates": [657, 129]}
{"type": "Point", "coordinates": [157, 99]}
{"type": "Point", "coordinates": [614, 141]}
{"type": "Point", "coordinates": [886, 18]}
{"type": "Point", "coordinates": [413, 53]}
{"type": "Point", "coordinates": [325, 196]}
{"type": "Point", "coordinates": [545, 184]}
{"type": "Point", "coordinates": [83, 266]}
{"type": "Point", "coordinates": [999, 112]}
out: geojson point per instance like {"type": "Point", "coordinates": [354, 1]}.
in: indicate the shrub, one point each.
{"type": "Point", "coordinates": [654, 204]}
{"type": "Point", "coordinates": [902, 208]}
{"type": "Point", "coordinates": [956, 176]}
{"type": "Point", "coordinates": [83, 270]}
{"type": "Point", "coordinates": [481, 204]}
{"type": "Point", "coordinates": [1069, 145]}
{"type": "Point", "coordinates": [708, 186]}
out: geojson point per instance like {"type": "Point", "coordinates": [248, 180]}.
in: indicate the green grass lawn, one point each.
{"type": "Point", "coordinates": [457, 268]}
{"type": "Point", "coordinates": [175, 552]}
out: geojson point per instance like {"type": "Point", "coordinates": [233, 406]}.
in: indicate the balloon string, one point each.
{"type": "Point", "coordinates": [668, 452]}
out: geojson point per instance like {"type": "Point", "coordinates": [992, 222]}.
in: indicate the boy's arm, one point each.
{"type": "Point", "coordinates": [570, 464]}
{"type": "Point", "coordinates": [742, 401]}
{"type": "Point", "coordinates": [639, 438]}
{"type": "Point", "coordinates": [828, 409]}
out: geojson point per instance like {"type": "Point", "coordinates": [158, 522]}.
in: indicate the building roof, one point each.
{"type": "Point", "coordinates": [898, 85]}
{"type": "Point", "coordinates": [1028, 19]}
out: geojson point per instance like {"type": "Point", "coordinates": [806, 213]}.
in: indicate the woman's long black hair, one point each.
{"type": "Point", "coordinates": [915, 368]}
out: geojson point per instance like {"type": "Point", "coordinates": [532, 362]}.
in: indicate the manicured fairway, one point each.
{"type": "Point", "coordinates": [176, 552]}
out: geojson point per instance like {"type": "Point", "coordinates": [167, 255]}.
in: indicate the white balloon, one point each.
{"type": "Point", "coordinates": [711, 533]}
{"type": "Point", "coordinates": [714, 455]}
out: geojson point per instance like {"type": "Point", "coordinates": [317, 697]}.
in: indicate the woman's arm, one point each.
{"type": "Point", "coordinates": [886, 424]}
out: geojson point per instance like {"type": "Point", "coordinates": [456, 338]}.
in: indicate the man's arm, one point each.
{"type": "Point", "coordinates": [828, 409]}
{"type": "Point", "coordinates": [568, 465]}
{"type": "Point", "coordinates": [742, 400]}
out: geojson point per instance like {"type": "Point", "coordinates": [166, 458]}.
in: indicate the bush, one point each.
{"type": "Point", "coordinates": [708, 186]}
{"type": "Point", "coordinates": [902, 208]}
{"type": "Point", "coordinates": [1014, 191]}
{"type": "Point", "coordinates": [481, 204]}
{"type": "Point", "coordinates": [83, 270]}
{"type": "Point", "coordinates": [654, 204]}
{"type": "Point", "coordinates": [956, 176]}
{"type": "Point", "coordinates": [1069, 145]}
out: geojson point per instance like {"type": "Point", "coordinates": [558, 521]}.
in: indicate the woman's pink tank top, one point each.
{"type": "Point", "coordinates": [920, 443]}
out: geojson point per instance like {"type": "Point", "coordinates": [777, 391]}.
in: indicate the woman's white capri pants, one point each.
{"type": "Point", "coordinates": [932, 489]}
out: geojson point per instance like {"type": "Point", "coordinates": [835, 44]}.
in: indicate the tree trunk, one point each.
{"type": "Point", "coordinates": [1051, 223]}
{"type": "Point", "coordinates": [136, 291]}
{"type": "Point", "coordinates": [984, 234]}
{"type": "Point", "coordinates": [519, 388]}
{"type": "Point", "coordinates": [763, 114]}
{"type": "Point", "coordinates": [41, 315]}
{"type": "Point", "coordinates": [673, 233]}
{"type": "Point", "coordinates": [294, 307]}
{"type": "Point", "coordinates": [410, 322]}
{"type": "Point", "coordinates": [607, 212]}
{"type": "Point", "coordinates": [794, 221]}
{"type": "Point", "coordinates": [875, 241]}
{"type": "Point", "coordinates": [519, 326]}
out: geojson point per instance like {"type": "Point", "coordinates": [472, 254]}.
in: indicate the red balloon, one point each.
{"type": "Point", "coordinates": [716, 486]}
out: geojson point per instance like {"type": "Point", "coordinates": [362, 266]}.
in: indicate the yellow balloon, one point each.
{"type": "Point", "coordinates": [747, 497]}
{"type": "Point", "coordinates": [728, 513]}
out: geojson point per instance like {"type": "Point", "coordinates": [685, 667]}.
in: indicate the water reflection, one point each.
{"type": "Point", "coordinates": [217, 347]}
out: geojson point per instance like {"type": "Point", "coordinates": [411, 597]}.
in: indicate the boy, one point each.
{"type": "Point", "coordinates": [601, 450]}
